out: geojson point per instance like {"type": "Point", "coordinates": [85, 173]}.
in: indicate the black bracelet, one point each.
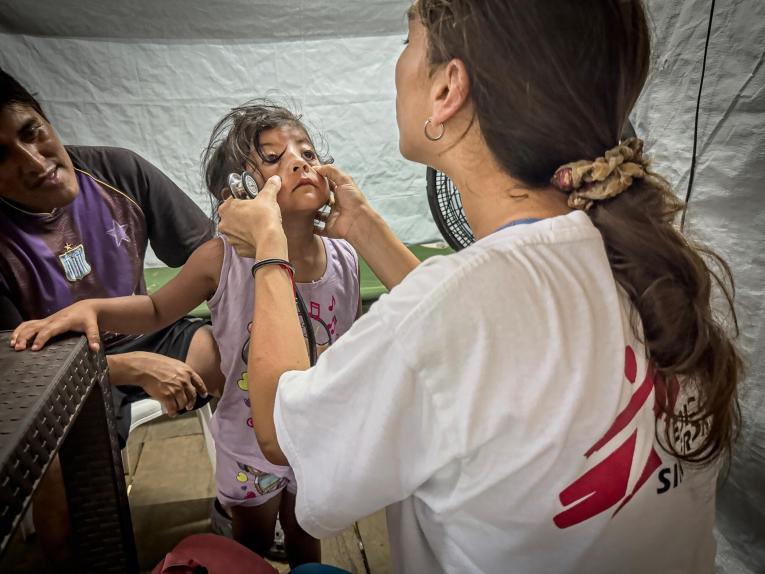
{"type": "Point", "coordinates": [283, 263]}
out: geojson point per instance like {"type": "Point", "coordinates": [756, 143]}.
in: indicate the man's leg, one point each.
{"type": "Point", "coordinates": [50, 513]}
{"type": "Point", "coordinates": [50, 508]}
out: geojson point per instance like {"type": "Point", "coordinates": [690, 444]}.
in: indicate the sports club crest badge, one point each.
{"type": "Point", "coordinates": [75, 264]}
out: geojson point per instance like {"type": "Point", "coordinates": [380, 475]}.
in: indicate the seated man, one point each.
{"type": "Point", "coordinates": [74, 224]}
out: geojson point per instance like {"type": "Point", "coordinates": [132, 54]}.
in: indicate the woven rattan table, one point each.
{"type": "Point", "coordinates": [58, 400]}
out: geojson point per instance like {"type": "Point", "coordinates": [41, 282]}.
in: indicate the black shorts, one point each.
{"type": "Point", "coordinates": [173, 342]}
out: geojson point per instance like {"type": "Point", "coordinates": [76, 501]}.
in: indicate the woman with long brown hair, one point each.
{"type": "Point", "coordinates": [559, 395]}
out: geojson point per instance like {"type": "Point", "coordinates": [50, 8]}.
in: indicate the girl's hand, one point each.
{"type": "Point", "coordinates": [255, 225]}
{"type": "Point", "coordinates": [349, 209]}
{"type": "Point", "coordinates": [81, 317]}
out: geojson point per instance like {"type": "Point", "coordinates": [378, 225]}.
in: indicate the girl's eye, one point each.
{"type": "Point", "coordinates": [309, 154]}
{"type": "Point", "coordinates": [271, 158]}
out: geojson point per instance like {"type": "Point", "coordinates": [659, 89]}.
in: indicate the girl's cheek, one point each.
{"type": "Point", "coordinates": [266, 172]}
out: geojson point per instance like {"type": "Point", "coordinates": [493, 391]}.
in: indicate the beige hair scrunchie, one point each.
{"type": "Point", "coordinates": [589, 181]}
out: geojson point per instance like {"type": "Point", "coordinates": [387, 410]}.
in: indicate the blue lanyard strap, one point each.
{"type": "Point", "coordinates": [518, 222]}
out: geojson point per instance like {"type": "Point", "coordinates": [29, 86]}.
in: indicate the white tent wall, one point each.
{"type": "Point", "coordinates": [161, 96]}
{"type": "Point", "coordinates": [726, 209]}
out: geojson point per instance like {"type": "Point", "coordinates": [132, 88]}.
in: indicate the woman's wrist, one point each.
{"type": "Point", "coordinates": [272, 245]}
{"type": "Point", "coordinates": [374, 240]}
{"type": "Point", "coordinates": [366, 226]}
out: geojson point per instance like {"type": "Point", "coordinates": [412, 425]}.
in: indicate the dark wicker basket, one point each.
{"type": "Point", "coordinates": [58, 400]}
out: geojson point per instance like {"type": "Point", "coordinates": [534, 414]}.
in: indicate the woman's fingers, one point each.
{"type": "Point", "coordinates": [333, 174]}
{"type": "Point", "coordinates": [271, 188]}
{"type": "Point", "coordinates": [225, 206]}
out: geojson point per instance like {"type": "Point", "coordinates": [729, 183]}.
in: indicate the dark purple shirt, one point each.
{"type": "Point", "coordinates": [95, 246]}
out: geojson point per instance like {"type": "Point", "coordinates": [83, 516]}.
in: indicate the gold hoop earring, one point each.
{"type": "Point", "coordinates": [430, 137]}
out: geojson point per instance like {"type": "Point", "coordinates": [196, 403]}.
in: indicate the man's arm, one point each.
{"type": "Point", "coordinates": [134, 314]}
{"type": "Point", "coordinates": [173, 383]}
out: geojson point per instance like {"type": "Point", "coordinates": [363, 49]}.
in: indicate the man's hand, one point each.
{"type": "Point", "coordinates": [81, 317]}
{"type": "Point", "coordinates": [171, 382]}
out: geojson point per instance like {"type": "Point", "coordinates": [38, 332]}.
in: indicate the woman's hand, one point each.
{"type": "Point", "coordinates": [255, 225]}
{"type": "Point", "coordinates": [348, 211]}
{"type": "Point", "coordinates": [81, 317]}
{"type": "Point", "coordinates": [353, 219]}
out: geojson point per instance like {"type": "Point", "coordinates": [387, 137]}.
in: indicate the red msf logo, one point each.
{"type": "Point", "coordinates": [605, 484]}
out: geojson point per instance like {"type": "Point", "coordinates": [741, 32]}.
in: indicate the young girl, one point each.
{"type": "Point", "coordinates": [266, 140]}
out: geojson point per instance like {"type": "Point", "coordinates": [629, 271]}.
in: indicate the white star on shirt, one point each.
{"type": "Point", "coordinates": [118, 233]}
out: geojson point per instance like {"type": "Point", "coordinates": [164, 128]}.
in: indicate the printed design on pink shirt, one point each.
{"type": "Point", "coordinates": [605, 484]}
{"type": "Point", "coordinates": [260, 482]}
{"type": "Point", "coordinates": [324, 329]}
{"type": "Point", "coordinates": [323, 332]}
{"type": "Point", "coordinates": [244, 386]}
{"type": "Point", "coordinates": [243, 382]}
{"type": "Point", "coordinates": [246, 347]}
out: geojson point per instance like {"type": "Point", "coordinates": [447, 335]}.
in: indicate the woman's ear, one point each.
{"type": "Point", "coordinates": [450, 91]}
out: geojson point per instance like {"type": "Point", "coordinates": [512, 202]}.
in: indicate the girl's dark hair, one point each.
{"type": "Point", "coordinates": [553, 81]}
{"type": "Point", "coordinates": [12, 92]}
{"type": "Point", "coordinates": [235, 137]}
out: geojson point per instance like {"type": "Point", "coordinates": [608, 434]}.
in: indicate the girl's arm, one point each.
{"type": "Point", "coordinates": [196, 282]}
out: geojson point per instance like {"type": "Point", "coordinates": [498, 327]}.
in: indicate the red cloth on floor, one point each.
{"type": "Point", "coordinates": [212, 554]}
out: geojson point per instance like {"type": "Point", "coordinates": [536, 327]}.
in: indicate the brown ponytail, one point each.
{"type": "Point", "coordinates": [552, 82]}
{"type": "Point", "coordinates": [670, 282]}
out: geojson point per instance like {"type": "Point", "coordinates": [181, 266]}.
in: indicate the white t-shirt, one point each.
{"type": "Point", "coordinates": [488, 402]}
